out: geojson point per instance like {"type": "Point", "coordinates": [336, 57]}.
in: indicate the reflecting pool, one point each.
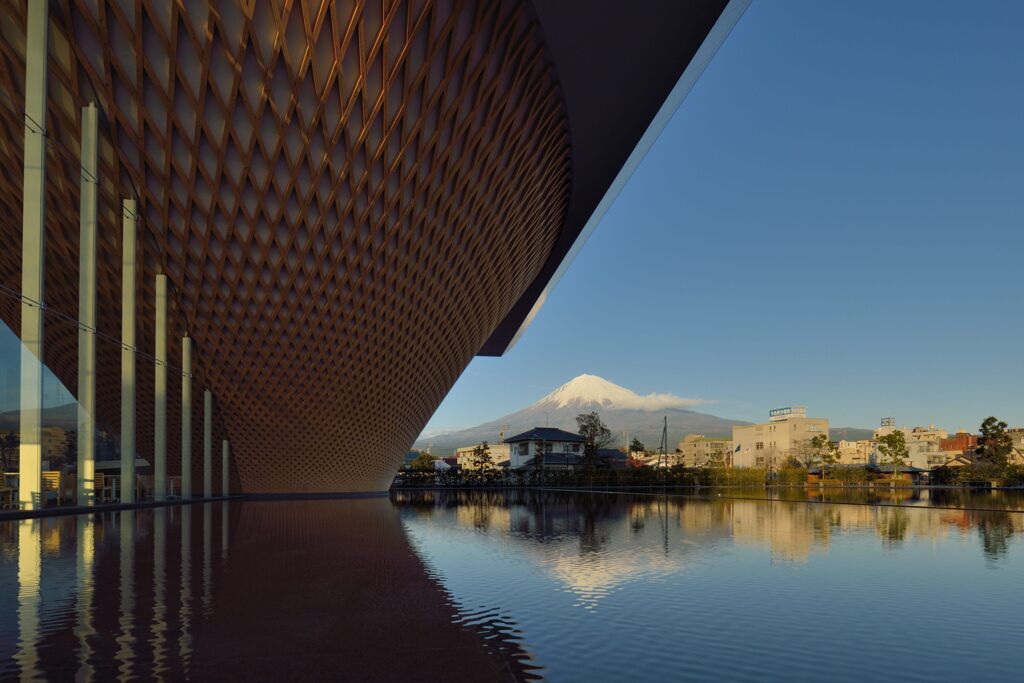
{"type": "Point", "coordinates": [478, 585]}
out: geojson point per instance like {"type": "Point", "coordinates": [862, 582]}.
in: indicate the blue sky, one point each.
{"type": "Point", "coordinates": [834, 217]}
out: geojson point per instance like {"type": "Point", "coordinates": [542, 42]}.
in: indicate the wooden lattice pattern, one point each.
{"type": "Point", "coordinates": [347, 197]}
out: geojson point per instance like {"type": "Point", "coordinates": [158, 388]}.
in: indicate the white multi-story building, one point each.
{"type": "Point", "coordinates": [787, 431]}
{"type": "Point", "coordinates": [924, 444]}
{"type": "Point", "coordinates": [697, 450]}
{"type": "Point", "coordinates": [499, 455]}
{"type": "Point", "coordinates": [860, 452]}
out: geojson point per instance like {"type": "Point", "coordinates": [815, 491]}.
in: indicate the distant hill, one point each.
{"type": "Point", "coordinates": [850, 433]}
{"type": "Point", "coordinates": [621, 409]}
{"type": "Point", "coordinates": [64, 416]}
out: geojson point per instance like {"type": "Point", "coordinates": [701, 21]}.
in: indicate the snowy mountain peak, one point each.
{"type": "Point", "coordinates": [593, 390]}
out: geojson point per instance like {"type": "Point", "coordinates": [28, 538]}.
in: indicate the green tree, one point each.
{"type": "Point", "coordinates": [893, 448]}
{"type": "Point", "coordinates": [423, 462]}
{"type": "Point", "coordinates": [635, 446]}
{"type": "Point", "coordinates": [994, 444]}
{"type": "Point", "coordinates": [481, 458]}
{"type": "Point", "coordinates": [540, 447]}
{"type": "Point", "coordinates": [827, 453]}
{"type": "Point", "coordinates": [592, 429]}
{"type": "Point", "coordinates": [596, 436]}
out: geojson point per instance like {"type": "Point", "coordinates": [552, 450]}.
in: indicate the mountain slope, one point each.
{"type": "Point", "coordinates": [621, 409]}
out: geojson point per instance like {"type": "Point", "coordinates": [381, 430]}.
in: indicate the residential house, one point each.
{"type": "Point", "coordinates": [560, 448]}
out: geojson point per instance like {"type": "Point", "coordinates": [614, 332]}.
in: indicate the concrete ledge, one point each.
{"type": "Point", "coordinates": [106, 507]}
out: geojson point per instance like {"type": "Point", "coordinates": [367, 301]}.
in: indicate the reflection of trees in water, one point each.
{"type": "Point", "coordinates": [595, 508]}
{"type": "Point", "coordinates": [966, 498]}
{"type": "Point", "coordinates": [794, 524]}
{"type": "Point", "coordinates": [892, 524]}
{"type": "Point", "coordinates": [995, 530]}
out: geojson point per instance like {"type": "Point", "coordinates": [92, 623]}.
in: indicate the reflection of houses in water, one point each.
{"type": "Point", "coordinates": [580, 538]}
{"type": "Point", "coordinates": [593, 545]}
{"type": "Point", "coordinates": [791, 531]}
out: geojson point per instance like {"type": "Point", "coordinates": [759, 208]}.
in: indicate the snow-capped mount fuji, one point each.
{"type": "Point", "coordinates": [621, 409]}
{"type": "Point", "coordinates": [589, 391]}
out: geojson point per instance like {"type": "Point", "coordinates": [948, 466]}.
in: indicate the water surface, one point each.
{"type": "Point", "coordinates": [562, 586]}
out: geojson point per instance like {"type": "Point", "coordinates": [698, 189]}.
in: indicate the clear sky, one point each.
{"type": "Point", "coordinates": [834, 217]}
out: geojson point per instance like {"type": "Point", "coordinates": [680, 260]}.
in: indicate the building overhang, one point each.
{"type": "Point", "coordinates": [624, 69]}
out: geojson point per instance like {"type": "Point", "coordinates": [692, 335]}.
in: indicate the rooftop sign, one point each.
{"type": "Point", "coordinates": [789, 411]}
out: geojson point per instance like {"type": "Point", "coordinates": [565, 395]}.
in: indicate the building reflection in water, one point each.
{"type": "Point", "coordinates": [377, 588]}
{"type": "Point", "coordinates": [665, 587]}
{"type": "Point", "coordinates": [126, 586]}
{"type": "Point", "coordinates": [185, 588]}
{"type": "Point", "coordinates": [85, 547]}
{"type": "Point", "coordinates": [30, 556]}
{"type": "Point", "coordinates": [283, 590]}
{"type": "Point", "coordinates": [158, 625]}
{"type": "Point", "coordinates": [207, 509]}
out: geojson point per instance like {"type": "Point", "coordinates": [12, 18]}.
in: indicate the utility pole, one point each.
{"type": "Point", "coordinates": [664, 451]}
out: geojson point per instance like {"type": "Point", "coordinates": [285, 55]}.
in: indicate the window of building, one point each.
{"type": "Point", "coordinates": [524, 449]}
{"type": "Point", "coordinates": [759, 446]}
{"type": "Point", "coordinates": [575, 448]}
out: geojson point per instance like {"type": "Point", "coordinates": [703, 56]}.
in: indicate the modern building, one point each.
{"type": "Point", "coordinates": [787, 433]}
{"type": "Point", "coordinates": [560, 449]}
{"type": "Point", "coordinates": [930, 434]}
{"type": "Point", "coordinates": [860, 452]}
{"type": "Point", "coordinates": [290, 228]}
{"type": "Point", "coordinates": [697, 450]}
{"type": "Point", "coordinates": [924, 444]}
{"type": "Point", "coordinates": [499, 455]}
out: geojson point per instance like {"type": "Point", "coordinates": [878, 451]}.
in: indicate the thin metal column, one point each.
{"type": "Point", "coordinates": [87, 309]}
{"type": "Point", "coordinates": [160, 392]}
{"type": "Point", "coordinates": [128, 218]}
{"type": "Point", "coordinates": [30, 469]}
{"type": "Point", "coordinates": [207, 444]}
{"type": "Point", "coordinates": [224, 467]}
{"type": "Point", "coordinates": [186, 418]}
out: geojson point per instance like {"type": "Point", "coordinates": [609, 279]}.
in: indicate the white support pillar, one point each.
{"type": "Point", "coordinates": [160, 392]}
{"type": "Point", "coordinates": [33, 237]}
{"type": "Point", "coordinates": [87, 309]}
{"type": "Point", "coordinates": [128, 219]}
{"type": "Point", "coordinates": [207, 444]}
{"type": "Point", "coordinates": [224, 467]}
{"type": "Point", "coordinates": [186, 418]}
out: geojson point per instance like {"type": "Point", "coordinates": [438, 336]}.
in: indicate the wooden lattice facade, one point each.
{"type": "Point", "coordinates": [346, 197]}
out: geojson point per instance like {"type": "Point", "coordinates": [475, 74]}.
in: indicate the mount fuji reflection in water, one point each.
{"type": "Point", "coordinates": [476, 585]}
